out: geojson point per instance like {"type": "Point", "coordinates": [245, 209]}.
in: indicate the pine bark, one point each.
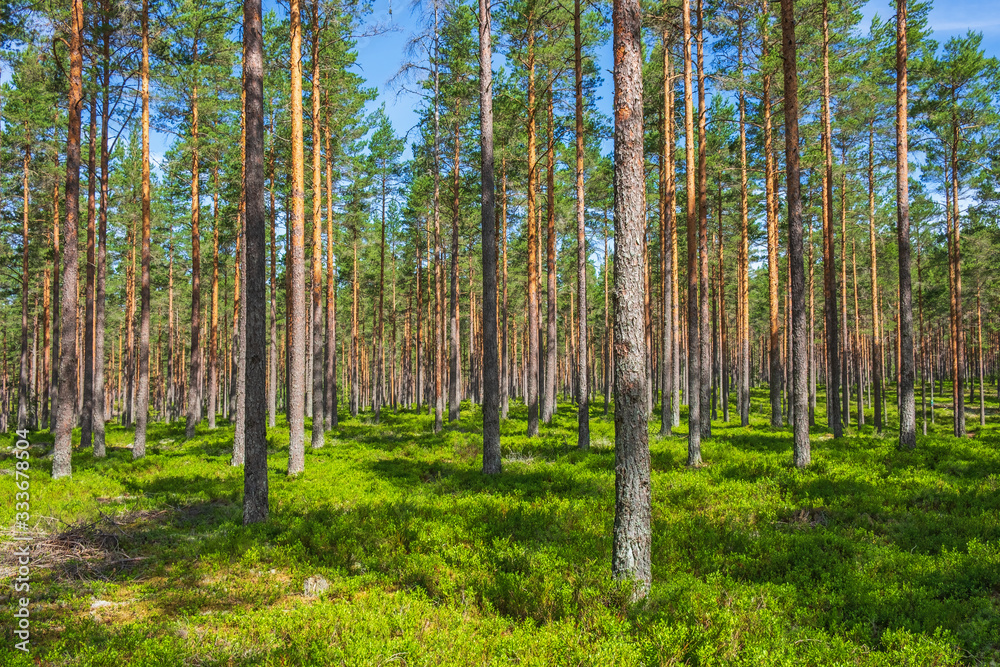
{"type": "Point", "coordinates": [455, 341]}
{"type": "Point", "coordinates": [705, 340]}
{"type": "Point", "coordinates": [907, 400]}
{"type": "Point", "coordinates": [142, 388]}
{"type": "Point", "coordinates": [693, 265]}
{"type": "Point", "coordinates": [330, 388]}
{"type": "Point", "coordinates": [87, 385]}
{"type": "Point", "coordinates": [774, 309]}
{"type": "Point", "coordinates": [317, 328]}
{"type": "Point", "coordinates": [531, 369]}
{"type": "Point", "coordinates": [22, 384]}
{"type": "Point", "coordinates": [297, 298]}
{"type": "Point", "coordinates": [491, 379]}
{"type": "Point", "coordinates": [61, 459]}
{"type": "Point", "coordinates": [193, 400]}
{"type": "Point", "coordinates": [582, 387]}
{"type": "Point", "coordinates": [551, 344]}
{"type": "Point", "coordinates": [800, 392]}
{"type": "Point", "coordinates": [632, 541]}
{"type": "Point", "coordinates": [743, 262]}
{"type": "Point", "coordinates": [834, 419]}
{"type": "Point", "coordinates": [876, 361]}
{"type": "Point", "coordinates": [255, 491]}
{"type": "Point", "coordinates": [438, 255]}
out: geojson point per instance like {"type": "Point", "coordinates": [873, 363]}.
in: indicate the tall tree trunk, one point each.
{"type": "Point", "coordinates": [438, 255]}
{"type": "Point", "coordinates": [330, 395]}
{"type": "Point", "coordinates": [46, 352]}
{"type": "Point", "coordinates": [419, 345]}
{"type": "Point", "coordinates": [213, 336]}
{"type": "Point", "coordinates": [142, 390]}
{"type": "Point", "coordinates": [693, 267]}
{"type": "Point", "coordinates": [606, 364]}
{"type": "Point", "coordinates": [171, 371]}
{"type": "Point", "coordinates": [667, 258]}
{"type": "Point", "coordinates": [800, 392]}
{"type": "Point", "coordinates": [743, 261]}
{"type": "Point", "coordinates": [551, 343]}
{"type": "Point", "coordinates": [907, 401]}
{"type": "Point", "coordinates": [272, 364]}
{"type": "Point", "coordinates": [455, 346]}
{"type": "Point", "coordinates": [194, 398]}
{"type": "Point", "coordinates": [317, 327]}
{"type": "Point", "coordinates": [834, 420]}
{"type": "Point", "coordinates": [705, 340]}
{"type": "Point", "coordinates": [22, 385]}
{"type": "Point", "coordinates": [491, 379]}
{"type": "Point", "coordinates": [61, 459]}
{"type": "Point", "coordinates": [845, 341]}
{"type": "Point", "coordinates": [958, 328]}
{"type": "Point", "coordinates": [857, 337]}
{"type": "Point", "coordinates": [56, 297]}
{"type": "Point", "coordinates": [533, 339]}
{"type": "Point", "coordinates": [255, 468]}
{"type": "Point", "coordinates": [87, 386]}
{"type": "Point", "coordinates": [631, 547]}
{"type": "Point", "coordinates": [355, 394]}
{"type": "Point", "coordinates": [505, 386]}
{"type": "Point", "coordinates": [771, 204]}
{"type": "Point", "coordinates": [240, 334]}
{"type": "Point", "coordinates": [876, 328]}
{"type": "Point", "coordinates": [582, 388]}
{"type": "Point", "coordinates": [297, 297]}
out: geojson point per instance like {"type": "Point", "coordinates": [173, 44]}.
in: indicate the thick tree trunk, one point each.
{"type": "Point", "coordinates": [56, 300]}
{"type": "Point", "coordinates": [438, 255]}
{"type": "Point", "coordinates": [505, 381]}
{"type": "Point", "coordinates": [213, 336]}
{"type": "Point", "coordinates": [255, 468]}
{"type": "Point", "coordinates": [317, 327]}
{"type": "Point", "coordinates": [491, 379]}
{"type": "Point", "coordinates": [631, 547]}
{"type": "Point", "coordinates": [907, 404]}
{"type": "Point", "coordinates": [582, 387]}
{"type": "Point", "coordinates": [194, 396]}
{"type": "Point", "coordinates": [531, 370]}
{"type": "Point", "coordinates": [834, 421]}
{"type": "Point", "coordinates": [693, 265]}
{"type": "Point", "coordinates": [272, 363]}
{"type": "Point", "coordinates": [667, 258]}
{"type": "Point", "coordinates": [705, 340]}
{"type": "Point", "coordinates": [771, 204]}
{"type": "Point", "coordinates": [330, 388]}
{"type": "Point", "coordinates": [142, 389]}
{"type": "Point", "coordinates": [551, 342]}
{"type": "Point", "coordinates": [743, 263]}
{"type": "Point", "coordinates": [455, 341]}
{"type": "Point", "coordinates": [61, 458]}
{"type": "Point", "coordinates": [22, 385]}
{"type": "Point", "coordinates": [800, 392]}
{"type": "Point", "coordinates": [297, 297]}
{"type": "Point", "coordinates": [87, 385]}
{"type": "Point", "coordinates": [876, 328]}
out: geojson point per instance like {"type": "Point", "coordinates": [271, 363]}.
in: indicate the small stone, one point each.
{"type": "Point", "coordinates": [315, 585]}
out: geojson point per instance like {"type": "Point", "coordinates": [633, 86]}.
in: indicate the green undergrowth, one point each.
{"type": "Point", "coordinates": [872, 556]}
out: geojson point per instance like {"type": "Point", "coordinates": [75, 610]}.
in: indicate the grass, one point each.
{"type": "Point", "coordinates": [872, 556]}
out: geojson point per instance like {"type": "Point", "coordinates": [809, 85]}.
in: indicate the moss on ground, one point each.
{"type": "Point", "coordinates": [872, 556]}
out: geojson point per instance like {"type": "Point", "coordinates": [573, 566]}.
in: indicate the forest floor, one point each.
{"type": "Point", "coordinates": [872, 556]}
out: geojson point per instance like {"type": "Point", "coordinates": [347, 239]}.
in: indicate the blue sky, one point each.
{"type": "Point", "coordinates": [380, 57]}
